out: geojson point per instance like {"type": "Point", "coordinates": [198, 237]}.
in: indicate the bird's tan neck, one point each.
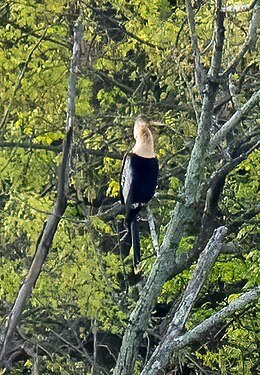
{"type": "Point", "coordinates": [144, 149]}
{"type": "Point", "coordinates": [144, 145]}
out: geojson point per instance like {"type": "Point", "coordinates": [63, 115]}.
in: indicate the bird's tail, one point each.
{"type": "Point", "coordinates": [135, 241]}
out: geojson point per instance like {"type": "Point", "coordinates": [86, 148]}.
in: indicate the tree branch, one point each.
{"type": "Point", "coordinates": [196, 164]}
{"type": "Point", "coordinates": [152, 228]}
{"type": "Point", "coordinates": [183, 214]}
{"type": "Point", "coordinates": [83, 353]}
{"type": "Point", "coordinates": [239, 7]}
{"type": "Point", "coordinates": [216, 182]}
{"type": "Point", "coordinates": [58, 149]}
{"type": "Point", "coordinates": [32, 146]}
{"type": "Point", "coordinates": [199, 71]}
{"type": "Point", "coordinates": [234, 120]}
{"type": "Point", "coordinates": [162, 354]}
{"type": "Point", "coordinates": [249, 42]}
{"type": "Point", "coordinates": [110, 211]}
{"type": "Point", "coordinates": [49, 230]}
{"type": "Point", "coordinates": [218, 42]}
{"type": "Point", "coordinates": [173, 343]}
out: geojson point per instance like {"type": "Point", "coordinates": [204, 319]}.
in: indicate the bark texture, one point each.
{"type": "Point", "coordinates": [162, 353]}
{"type": "Point", "coordinates": [183, 215]}
{"type": "Point", "coordinates": [172, 343]}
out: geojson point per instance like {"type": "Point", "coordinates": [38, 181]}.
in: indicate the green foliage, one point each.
{"type": "Point", "coordinates": [136, 58]}
{"type": "Point", "coordinates": [10, 279]}
{"type": "Point", "coordinates": [235, 355]}
{"type": "Point", "coordinates": [173, 288]}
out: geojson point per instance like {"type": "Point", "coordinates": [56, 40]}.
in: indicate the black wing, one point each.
{"type": "Point", "coordinates": [126, 179]}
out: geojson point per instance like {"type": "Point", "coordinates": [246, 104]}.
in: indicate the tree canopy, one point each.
{"type": "Point", "coordinates": [74, 75]}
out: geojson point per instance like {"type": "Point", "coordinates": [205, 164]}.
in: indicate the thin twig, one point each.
{"type": "Point", "coordinates": [154, 236]}
{"type": "Point", "coordinates": [58, 149]}
{"type": "Point", "coordinates": [83, 354]}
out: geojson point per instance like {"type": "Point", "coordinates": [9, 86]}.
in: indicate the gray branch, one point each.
{"type": "Point", "coordinates": [235, 119]}
{"type": "Point", "coordinates": [32, 146]}
{"type": "Point", "coordinates": [199, 71]}
{"type": "Point", "coordinates": [207, 258]}
{"type": "Point", "coordinates": [238, 8]}
{"type": "Point", "coordinates": [152, 228]}
{"type": "Point", "coordinates": [218, 36]}
{"type": "Point", "coordinates": [173, 343]}
{"type": "Point", "coordinates": [249, 42]}
{"type": "Point", "coordinates": [183, 214]}
{"type": "Point", "coordinates": [110, 212]}
{"type": "Point", "coordinates": [49, 230]}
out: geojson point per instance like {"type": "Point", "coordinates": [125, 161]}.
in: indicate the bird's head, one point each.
{"type": "Point", "coordinates": [141, 126]}
{"type": "Point", "coordinates": [144, 125]}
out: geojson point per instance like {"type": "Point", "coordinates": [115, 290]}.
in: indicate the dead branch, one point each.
{"type": "Point", "coordinates": [183, 214]}
{"type": "Point", "coordinates": [49, 230]}
{"type": "Point", "coordinates": [249, 42]}
{"type": "Point", "coordinates": [58, 149]}
{"type": "Point", "coordinates": [199, 71]}
{"type": "Point", "coordinates": [174, 344]}
{"type": "Point", "coordinates": [234, 120]}
{"type": "Point", "coordinates": [162, 353]}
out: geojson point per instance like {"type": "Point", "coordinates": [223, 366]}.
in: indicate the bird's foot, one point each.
{"type": "Point", "coordinates": [137, 268]}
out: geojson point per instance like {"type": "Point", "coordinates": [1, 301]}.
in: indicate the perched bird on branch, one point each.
{"type": "Point", "coordinates": [138, 179]}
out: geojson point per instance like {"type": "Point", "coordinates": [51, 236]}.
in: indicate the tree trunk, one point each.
{"type": "Point", "coordinates": [183, 215]}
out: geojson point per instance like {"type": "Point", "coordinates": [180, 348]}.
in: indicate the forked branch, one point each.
{"type": "Point", "coordinates": [161, 355]}
{"type": "Point", "coordinates": [175, 344]}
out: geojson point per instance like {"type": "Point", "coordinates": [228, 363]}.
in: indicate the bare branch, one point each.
{"type": "Point", "coordinates": [83, 353]}
{"type": "Point", "coordinates": [232, 91]}
{"type": "Point", "coordinates": [199, 150]}
{"type": "Point", "coordinates": [249, 42]}
{"type": "Point", "coordinates": [58, 149]}
{"type": "Point", "coordinates": [239, 7]}
{"type": "Point", "coordinates": [199, 71]}
{"type": "Point", "coordinates": [236, 305]}
{"type": "Point", "coordinates": [49, 230]}
{"type": "Point", "coordinates": [215, 186]}
{"type": "Point", "coordinates": [173, 343]}
{"type": "Point", "coordinates": [32, 146]}
{"type": "Point", "coordinates": [161, 355]}
{"type": "Point", "coordinates": [218, 42]}
{"type": "Point", "coordinates": [110, 212]}
{"type": "Point", "coordinates": [153, 230]}
{"type": "Point", "coordinates": [234, 120]}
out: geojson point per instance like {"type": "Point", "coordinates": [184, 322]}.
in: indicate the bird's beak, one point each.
{"type": "Point", "coordinates": [156, 123]}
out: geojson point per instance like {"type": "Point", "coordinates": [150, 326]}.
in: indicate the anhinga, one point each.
{"type": "Point", "coordinates": [138, 179]}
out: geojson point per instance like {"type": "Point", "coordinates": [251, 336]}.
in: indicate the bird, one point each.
{"type": "Point", "coordinates": [138, 179]}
